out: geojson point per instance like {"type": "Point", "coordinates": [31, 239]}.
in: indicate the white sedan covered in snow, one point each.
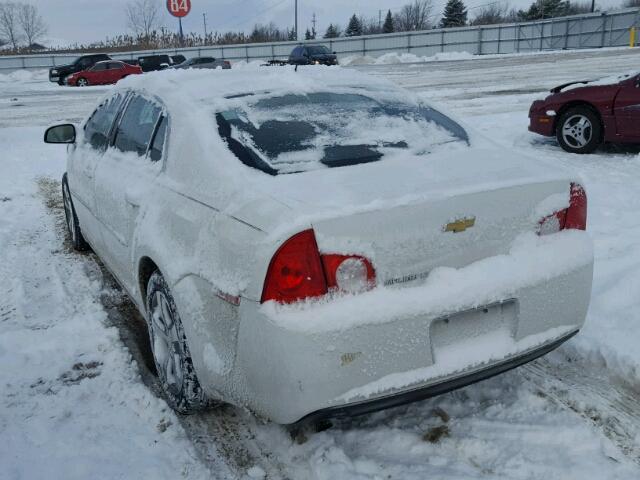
{"type": "Point", "coordinates": [322, 243]}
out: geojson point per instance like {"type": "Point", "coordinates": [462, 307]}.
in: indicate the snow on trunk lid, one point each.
{"type": "Point", "coordinates": [405, 243]}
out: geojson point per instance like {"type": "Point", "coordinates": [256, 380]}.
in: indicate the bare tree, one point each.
{"type": "Point", "coordinates": [31, 22]}
{"type": "Point", "coordinates": [142, 17]}
{"type": "Point", "coordinates": [414, 16]}
{"type": "Point", "coordinates": [9, 23]}
{"type": "Point", "coordinates": [491, 14]}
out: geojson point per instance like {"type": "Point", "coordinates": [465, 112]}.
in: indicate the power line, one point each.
{"type": "Point", "coordinates": [253, 17]}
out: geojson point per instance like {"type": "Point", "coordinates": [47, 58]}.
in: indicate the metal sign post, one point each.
{"type": "Point", "coordinates": [179, 9]}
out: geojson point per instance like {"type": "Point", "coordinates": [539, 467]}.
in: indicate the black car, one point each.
{"type": "Point", "coordinates": [152, 63]}
{"type": "Point", "coordinates": [312, 55]}
{"type": "Point", "coordinates": [59, 73]}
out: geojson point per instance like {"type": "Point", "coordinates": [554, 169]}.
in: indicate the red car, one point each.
{"type": "Point", "coordinates": [103, 73]}
{"type": "Point", "coordinates": [582, 118]}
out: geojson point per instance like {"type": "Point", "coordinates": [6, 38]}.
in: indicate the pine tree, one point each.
{"type": "Point", "coordinates": [307, 35]}
{"type": "Point", "coordinates": [388, 26]}
{"type": "Point", "coordinates": [545, 9]}
{"type": "Point", "coordinates": [355, 27]}
{"type": "Point", "coordinates": [313, 33]}
{"type": "Point", "coordinates": [455, 14]}
{"type": "Point", "coordinates": [332, 31]}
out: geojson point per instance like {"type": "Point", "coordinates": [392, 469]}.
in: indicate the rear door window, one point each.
{"type": "Point", "coordinates": [157, 145]}
{"type": "Point", "coordinates": [97, 130]}
{"type": "Point", "coordinates": [137, 126]}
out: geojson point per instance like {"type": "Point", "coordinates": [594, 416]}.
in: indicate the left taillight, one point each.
{"type": "Point", "coordinates": [297, 272]}
{"type": "Point", "coordinates": [572, 218]}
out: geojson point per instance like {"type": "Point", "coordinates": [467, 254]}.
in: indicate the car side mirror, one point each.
{"type": "Point", "coordinates": [65, 133]}
{"type": "Point", "coordinates": [335, 53]}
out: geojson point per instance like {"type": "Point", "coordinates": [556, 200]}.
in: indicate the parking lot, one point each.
{"type": "Point", "coordinates": [78, 372]}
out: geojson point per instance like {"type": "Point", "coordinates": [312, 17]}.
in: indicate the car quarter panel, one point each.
{"type": "Point", "coordinates": [206, 257]}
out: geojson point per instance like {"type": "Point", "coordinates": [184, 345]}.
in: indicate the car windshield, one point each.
{"type": "Point", "coordinates": [297, 133]}
{"type": "Point", "coordinates": [318, 50]}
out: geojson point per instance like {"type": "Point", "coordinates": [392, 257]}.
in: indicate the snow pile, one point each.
{"type": "Point", "coordinates": [24, 76]}
{"type": "Point", "coordinates": [250, 65]}
{"type": "Point", "coordinates": [395, 57]}
{"type": "Point", "coordinates": [71, 401]}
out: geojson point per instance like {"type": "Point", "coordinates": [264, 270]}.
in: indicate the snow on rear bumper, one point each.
{"type": "Point", "coordinates": [297, 360]}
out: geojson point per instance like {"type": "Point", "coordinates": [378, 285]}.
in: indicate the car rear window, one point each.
{"type": "Point", "coordinates": [297, 133]}
{"type": "Point", "coordinates": [318, 50]}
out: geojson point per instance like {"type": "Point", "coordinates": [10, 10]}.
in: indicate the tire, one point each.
{"type": "Point", "coordinates": [579, 130]}
{"type": "Point", "coordinates": [171, 354]}
{"type": "Point", "coordinates": [82, 82]}
{"type": "Point", "coordinates": [73, 226]}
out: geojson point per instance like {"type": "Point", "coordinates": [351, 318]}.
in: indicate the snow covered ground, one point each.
{"type": "Point", "coordinates": [78, 398]}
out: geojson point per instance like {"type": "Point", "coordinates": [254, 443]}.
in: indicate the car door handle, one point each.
{"type": "Point", "coordinates": [132, 199]}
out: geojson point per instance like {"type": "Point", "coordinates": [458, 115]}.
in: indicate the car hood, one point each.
{"type": "Point", "coordinates": [609, 81]}
{"type": "Point", "coordinates": [59, 67]}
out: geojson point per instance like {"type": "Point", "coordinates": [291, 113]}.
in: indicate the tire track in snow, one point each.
{"type": "Point", "coordinates": [607, 402]}
{"type": "Point", "coordinates": [223, 437]}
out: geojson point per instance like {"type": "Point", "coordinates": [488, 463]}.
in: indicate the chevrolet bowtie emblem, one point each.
{"type": "Point", "coordinates": [460, 225]}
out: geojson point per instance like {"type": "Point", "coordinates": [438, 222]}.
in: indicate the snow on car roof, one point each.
{"type": "Point", "coordinates": [217, 84]}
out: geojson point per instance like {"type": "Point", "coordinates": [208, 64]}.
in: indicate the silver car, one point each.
{"type": "Point", "coordinates": [320, 243]}
{"type": "Point", "coordinates": [203, 62]}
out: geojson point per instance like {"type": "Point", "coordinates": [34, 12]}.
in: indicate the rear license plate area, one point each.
{"type": "Point", "coordinates": [481, 328]}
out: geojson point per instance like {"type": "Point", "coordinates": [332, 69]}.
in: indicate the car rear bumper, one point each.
{"type": "Point", "coordinates": [287, 374]}
{"type": "Point", "coordinates": [422, 393]}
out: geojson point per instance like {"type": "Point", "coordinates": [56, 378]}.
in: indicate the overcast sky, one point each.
{"type": "Point", "coordinates": [85, 21]}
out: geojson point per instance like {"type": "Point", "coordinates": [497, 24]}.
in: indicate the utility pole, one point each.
{"type": "Point", "coordinates": [313, 22]}
{"type": "Point", "coordinates": [204, 19]}
{"type": "Point", "coordinates": [379, 21]}
{"type": "Point", "coordinates": [593, 6]}
{"type": "Point", "coordinates": [296, 25]}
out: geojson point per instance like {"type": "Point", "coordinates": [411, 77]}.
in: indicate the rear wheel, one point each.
{"type": "Point", "coordinates": [579, 130]}
{"type": "Point", "coordinates": [82, 82]}
{"type": "Point", "coordinates": [170, 350]}
{"type": "Point", "coordinates": [77, 240]}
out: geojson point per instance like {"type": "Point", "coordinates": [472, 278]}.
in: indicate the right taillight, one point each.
{"type": "Point", "coordinates": [572, 218]}
{"type": "Point", "coordinates": [297, 271]}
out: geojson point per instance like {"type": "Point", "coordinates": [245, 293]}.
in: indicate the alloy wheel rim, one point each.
{"type": "Point", "coordinates": [165, 343]}
{"type": "Point", "coordinates": [577, 131]}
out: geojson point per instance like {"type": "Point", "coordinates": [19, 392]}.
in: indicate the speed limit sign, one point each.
{"type": "Point", "coordinates": [179, 8]}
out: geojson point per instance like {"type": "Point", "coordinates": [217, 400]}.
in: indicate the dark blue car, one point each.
{"type": "Point", "coordinates": [312, 55]}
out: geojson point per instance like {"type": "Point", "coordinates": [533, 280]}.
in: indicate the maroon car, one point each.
{"type": "Point", "coordinates": [581, 118]}
{"type": "Point", "coordinates": [103, 73]}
